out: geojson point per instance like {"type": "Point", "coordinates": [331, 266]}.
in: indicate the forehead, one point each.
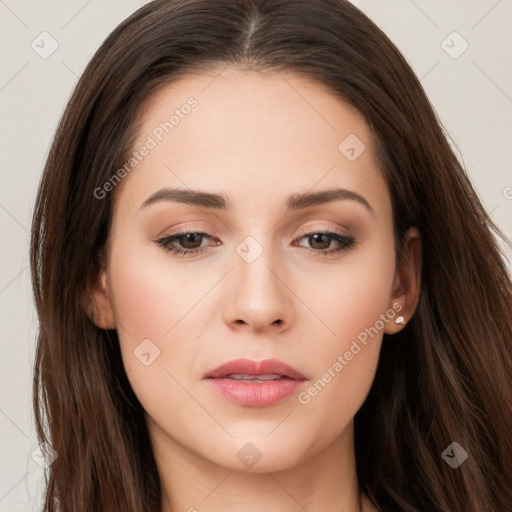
{"type": "Point", "coordinates": [248, 133]}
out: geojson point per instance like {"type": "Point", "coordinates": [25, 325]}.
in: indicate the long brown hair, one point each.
{"type": "Point", "coordinates": [445, 377]}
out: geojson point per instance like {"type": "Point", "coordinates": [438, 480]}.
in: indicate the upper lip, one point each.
{"type": "Point", "coordinates": [249, 367]}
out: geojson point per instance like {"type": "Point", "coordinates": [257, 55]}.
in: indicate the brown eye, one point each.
{"type": "Point", "coordinates": [320, 241]}
{"type": "Point", "coordinates": [186, 244]}
{"type": "Point", "coordinates": [189, 240]}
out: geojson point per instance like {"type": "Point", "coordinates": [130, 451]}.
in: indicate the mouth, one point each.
{"type": "Point", "coordinates": [246, 369]}
{"type": "Point", "coordinates": [244, 377]}
{"type": "Point", "coordinates": [255, 384]}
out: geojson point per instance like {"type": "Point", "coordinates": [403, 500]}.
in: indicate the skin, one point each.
{"type": "Point", "coordinates": [255, 138]}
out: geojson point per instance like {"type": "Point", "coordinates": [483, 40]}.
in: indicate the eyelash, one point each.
{"type": "Point", "coordinates": [347, 242]}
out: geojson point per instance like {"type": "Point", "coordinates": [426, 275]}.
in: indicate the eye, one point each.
{"type": "Point", "coordinates": [320, 241]}
{"type": "Point", "coordinates": [190, 242]}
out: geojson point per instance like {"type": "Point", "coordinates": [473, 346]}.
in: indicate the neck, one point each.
{"type": "Point", "coordinates": [325, 481]}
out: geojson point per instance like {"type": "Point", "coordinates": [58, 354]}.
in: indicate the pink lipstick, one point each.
{"type": "Point", "coordinates": [255, 383]}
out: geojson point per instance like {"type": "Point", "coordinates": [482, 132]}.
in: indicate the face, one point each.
{"type": "Point", "coordinates": [289, 258]}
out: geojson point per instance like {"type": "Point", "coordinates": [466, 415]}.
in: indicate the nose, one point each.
{"type": "Point", "coordinates": [258, 297]}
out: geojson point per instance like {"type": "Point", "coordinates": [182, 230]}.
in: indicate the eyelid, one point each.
{"type": "Point", "coordinates": [190, 229]}
{"type": "Point", "coordinates": [213, 234]}
{"type": "Point", "coordinates": [313, 230]}
{"type": "Point", "coordinates": [344, 237]}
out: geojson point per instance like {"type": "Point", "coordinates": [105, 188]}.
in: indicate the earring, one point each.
{"type": "Point", "coordinates": [400, 320]}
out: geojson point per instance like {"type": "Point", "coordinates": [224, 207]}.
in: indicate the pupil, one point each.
{"type": "Point", "coordinates": [315, 237]}
{"type": "Point", "coordinates": [189, 239]}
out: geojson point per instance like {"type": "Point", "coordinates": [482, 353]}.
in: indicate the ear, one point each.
{"type": "Point", "coordinates": [99, 307]}
{"type": "Point", "coordinates": [407, 282]}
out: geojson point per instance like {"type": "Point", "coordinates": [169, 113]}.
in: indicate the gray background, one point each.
{"type": "Point", "coordinates": [472, 94]}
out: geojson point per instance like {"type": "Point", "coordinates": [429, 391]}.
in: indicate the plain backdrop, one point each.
{"type": "Point", "coordinates": [467, 75]}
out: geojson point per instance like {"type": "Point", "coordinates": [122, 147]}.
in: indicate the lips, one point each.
{"type": "Point", "coordinates": [252, 369]}
{"type": "Point", "coordinates": [255, 384]}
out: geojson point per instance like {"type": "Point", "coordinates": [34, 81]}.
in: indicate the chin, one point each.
{"type": "Point", "coordinates": [258, 454]}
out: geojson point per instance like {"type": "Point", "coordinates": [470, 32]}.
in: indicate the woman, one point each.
{"type": "Point", "coordinates": [263, 279]}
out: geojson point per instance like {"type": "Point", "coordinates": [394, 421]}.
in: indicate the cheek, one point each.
{"type": "Point", "coordinates": [151, 294]}
{"type": "Point", "coordinates": [151, 303]}
{"type": "Point", "coordinates": [351, 298]}
{"type": "Point", "coordinates": [144, 306]}
{"type": "Point", "coordinates": [355, 310]}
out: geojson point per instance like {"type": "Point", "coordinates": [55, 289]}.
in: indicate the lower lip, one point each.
{"type": "Point", "coordinates": [255, 394]}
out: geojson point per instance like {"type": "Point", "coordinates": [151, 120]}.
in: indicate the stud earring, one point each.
{"type": "Point", "coordinates": [400, 320]}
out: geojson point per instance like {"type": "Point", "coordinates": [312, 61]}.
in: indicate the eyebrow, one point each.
{"type": "Point", "coordinates": [221, 202]}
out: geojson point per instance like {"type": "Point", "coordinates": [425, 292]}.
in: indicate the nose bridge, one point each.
{"type": "Point", "coordinates": [259, 296]}
{"type": "Point", "coordinates": [256, 258]}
